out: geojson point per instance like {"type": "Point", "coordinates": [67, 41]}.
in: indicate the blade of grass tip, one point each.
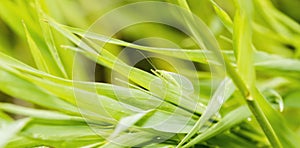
{"type": "Point", "coordinates": [242, 47]}
{"type": "Point", "coordinates": [127, 122]}
{"type": "Point", "coordinates": [225, 18]}
{"type": "Point", "coordinates": [242, 38]}
{"type": "Point", "coordinates": [37, 113]}
{"type": "Point", "coordinates": [223, 92]}
{"type": "Point", "coordinates": [36, 53]}
{"type": "Point", "coordinates": [9, 131]}
{"type": "Point", "coordinates": [29, 16]}
{"type": "Point", "coordinates": [168, 122]}
{"type": "Point", "coordinates": [48, 37]}
{"type": "Point", "coordinates": [68, 34]}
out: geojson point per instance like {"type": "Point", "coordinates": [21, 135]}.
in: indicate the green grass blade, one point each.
{"type": "Point", "coordinates": [4, 118]}
{"type": "Point", "coordinates": [225, 18]}
{"type": "Point", "coordinates": [242, 46]}
{"type": "Point", "coordinates": [194, 55]}
{"type": "Point", "coordinates": [234, 117]}
{"type": "Point", "coordinates": [61, 135]}
{"type": "Point", "coordinates": [223, 92]}
{"type": "Point", "coordinates": [9, 131]}
{"type": "Point", "coordinates": [285, 135]}
{"type": "Point", "coordinates": [12, 84]}
{"type": "Point", "coordinates": [37, 113]}
{"type": "Point", "coordinates": [35, 51]}
{"type": "Point", "coordinates": [138, 76]}
{"type": "Point", "coordinates": [265, 8]}
{"type": "Point", "coordinates": [138, 139]}
{"type": "Point", "coordinates": [48, 37]}
{"type": "Point", "coordinates": [262, 60]}
{"type": "Point", "coordinates": [64, 88]}
{"type": "Point", "coordinates": [127, 122]}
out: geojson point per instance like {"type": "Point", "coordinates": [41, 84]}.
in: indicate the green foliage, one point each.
{"type": "Point", "coordinates": [244, 91]}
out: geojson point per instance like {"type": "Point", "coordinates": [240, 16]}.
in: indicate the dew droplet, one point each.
{"type": "Point", "coordinates": [274, 98]}
{"type": "Point", "coordinates": [249, 119]}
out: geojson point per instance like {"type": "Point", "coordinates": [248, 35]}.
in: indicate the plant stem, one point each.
{"type": "Point", "coordinates": [253, 105]}
{"type": "Point", "coordinates": [251, 102]}
{"type": "Point", "coordinates": [263, 122]}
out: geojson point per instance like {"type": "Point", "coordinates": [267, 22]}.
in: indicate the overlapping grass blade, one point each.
{"type": "Point", "coordinates": [223, 92]}
{"type": "Point", "coordinates": [92, 112]}
{"type": "Point", "coordinates": [56, 135]}
{"type": "Point", "coordinates": [4, 118]}
{"type": "Point", "coordinates": [225, 18]}
{"type": "Point", "coordinates": [138, 76]}
{"type": "Point", "coordinates": [64, 88]}
{"type": "Point", "coordinates": [128, 122]}
{"type": "Point", "coordinates": [48, 37]}
{"type": "Point", "coordinates": [242, 46]}
{"type": "Point", "coordinates": [138, 139]}
{"type": "Point", "coordinates": [12, 83]}
{"type": "Point", "coordinates": [234, 117]}
{"type": "Point", "coordinates": [262, 60]}
{"type": "Point", "coordinates": [10, 130]}
{"type": "Point", "coordinates": [36, 53]}
{"type": "Point", "coordinates": [37, 113]}
{"type": "Point", "coordinates": [272, 22]}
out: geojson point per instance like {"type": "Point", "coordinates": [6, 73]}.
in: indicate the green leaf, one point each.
{"type": "Point", "coordinates": [168, 122]}
{"type": "Point", "coordinates": [138, 76]}
{"type": "Point", "coordinates": [54, 132]}
{"type": "Point", "coordinates": [49, 39]}
{"type": "Point", "coordinates": [37, 113]}
{"type": "Point", "coordinates": [10, 130]}
{"type": "Point", "coordinates": [242, 40]}
{"type": "Point", "coordinates": [136, 139]}
{"type": "Point", "coordinates": [234, 117]}
{"type": "Point", "coordinates": [223, 92]}
{"type": "Point", "coordinates": [225, 18]}
{"type": "Point", "coordinates": [20, 88]}
{"type": "Point", "coordinates": [35, 51]}
{"type": "Point", "coordinates": [127, 122]}
{"type": "Point", "coordinates": [4, 118]}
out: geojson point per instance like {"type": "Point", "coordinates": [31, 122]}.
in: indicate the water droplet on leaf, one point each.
{"type": "Point", "coordinates": [274, 99]}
